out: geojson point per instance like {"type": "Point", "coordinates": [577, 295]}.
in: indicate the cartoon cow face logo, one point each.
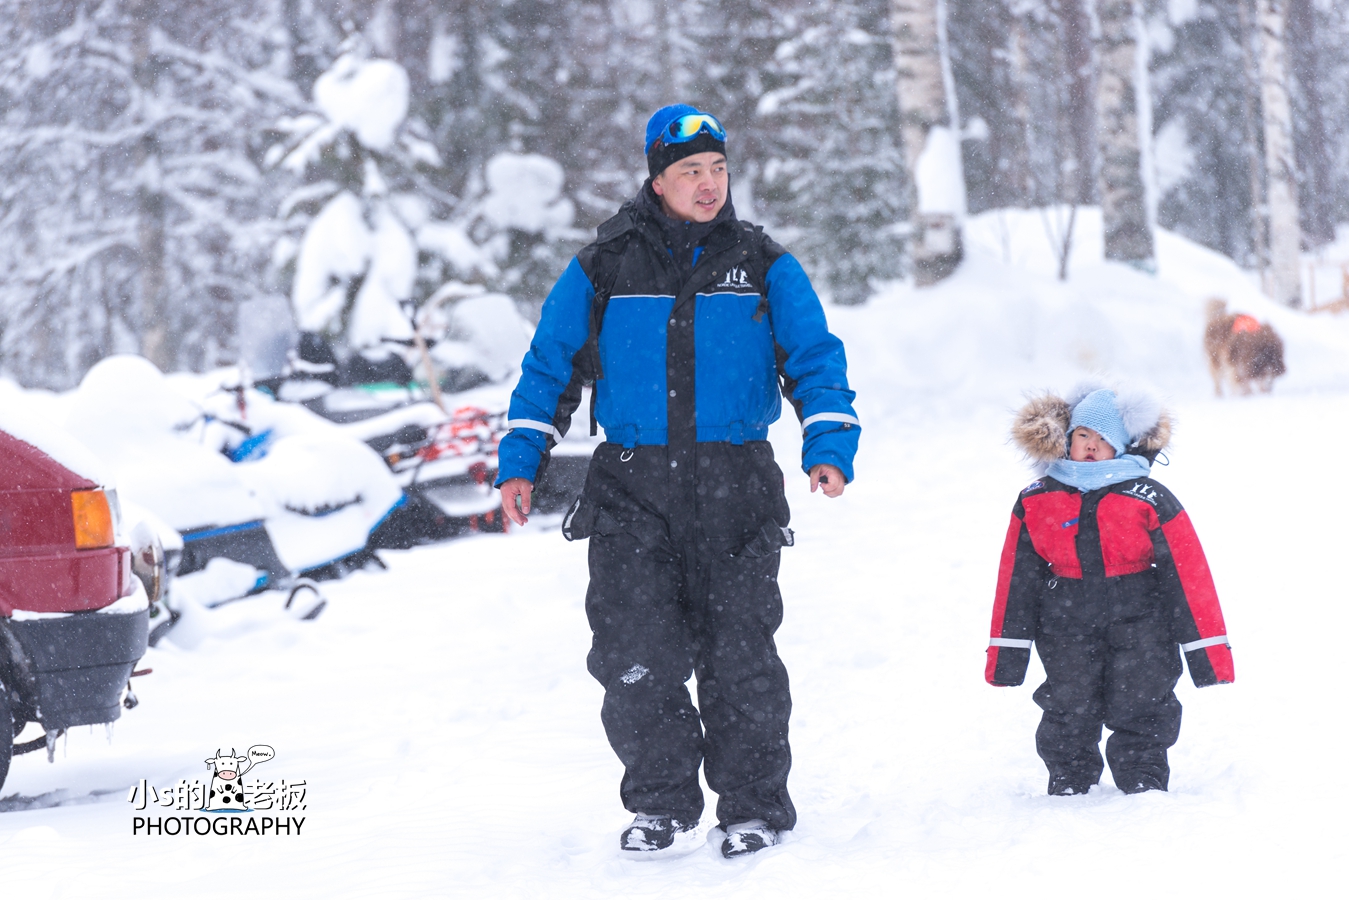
{"type": "Point", "coordinates": [227, 787]}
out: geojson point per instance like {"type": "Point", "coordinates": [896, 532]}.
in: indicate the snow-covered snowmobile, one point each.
{"type": "Point", "coordinates": [442, 454]}
{"type": "Point", "coordinates": [249, 494]}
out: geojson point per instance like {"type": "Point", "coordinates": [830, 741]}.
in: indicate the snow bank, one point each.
{"type": "Point", "coordinates": [1004, 323]}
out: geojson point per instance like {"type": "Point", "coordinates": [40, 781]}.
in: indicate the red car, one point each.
{"type": "Point", "coordinates": [74, 617]}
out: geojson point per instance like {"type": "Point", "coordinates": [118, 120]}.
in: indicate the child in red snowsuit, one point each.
{"type": "Point", "coordinates": [1103, 573]}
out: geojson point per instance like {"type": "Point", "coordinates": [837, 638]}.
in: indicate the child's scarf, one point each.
{"type": "Point", "coordinates": [1091, 476]}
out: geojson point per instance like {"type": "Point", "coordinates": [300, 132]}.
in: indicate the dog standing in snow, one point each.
{"type": "Point", "coordinates": [1241, 350]}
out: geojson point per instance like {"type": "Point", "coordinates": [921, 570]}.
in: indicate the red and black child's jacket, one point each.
{"type": "Point", "coordinates": [1075, 563]}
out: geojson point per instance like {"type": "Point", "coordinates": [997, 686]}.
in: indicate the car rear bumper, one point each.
{"type": "Point", "coordinates": [63, 582]}
{"type": "Point", "coordinates": [70, 670]}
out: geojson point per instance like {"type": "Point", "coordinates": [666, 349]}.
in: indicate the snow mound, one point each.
{"type": "Point", "coordinates": [940, 180]}
{"type": "Point", "coordinates": [452, 242]}
{"type": "Point", "coordinates": [150, 435]}
{"type": "Point", "coordinates": [485, 331]}
{"type": "Point", "coordinates": [369, 97]}
{"type": "Point", "coordinates": [30, 422]}
{"type": "Point", "coordinates": [524, 191]}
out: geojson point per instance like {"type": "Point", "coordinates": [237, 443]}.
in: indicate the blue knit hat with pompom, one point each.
{"type": "Point", "coordinates": [1099, 412]}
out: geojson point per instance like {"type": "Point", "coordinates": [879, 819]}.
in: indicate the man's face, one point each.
{"type": "Point", "coordinates": [694, 188]}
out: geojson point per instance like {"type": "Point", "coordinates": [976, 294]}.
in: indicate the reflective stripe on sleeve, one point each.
{"type": "Point", "coordinates": [829, 417]}
{"type": "Point", "coordinates": [536, 426]}
{"type": "Point", "coordinates": [1010, 642]}
{"type": "Point", "coordinates": [1204, 642]}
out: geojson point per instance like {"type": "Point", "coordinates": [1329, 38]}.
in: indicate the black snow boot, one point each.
{"type": "Point", "coordinates": [1138, 784]}
{"type": "Point", "coordinates": [1068, 786]}
{"type": "Point", "coordinates": [652, 836]}
{"type": "Point", "coordinates": [748, 837]}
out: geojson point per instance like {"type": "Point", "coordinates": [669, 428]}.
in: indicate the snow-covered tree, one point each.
{"type": "Point", "coordinates": [133, 215]}
{"type": "Point", "coordinates": [1025, 70]}
{"type": "Point", "coordinates": [1205, 109]}
{"type": "Point", "coordinates": [1307, 29]}
{"type": "Point", "coordinates": [357, 261]}
{"type": "Point", "coordinates": [835, 174]}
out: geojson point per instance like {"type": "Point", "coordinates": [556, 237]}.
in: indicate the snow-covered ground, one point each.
{"type": "Point", "coordinates": [449, 736]}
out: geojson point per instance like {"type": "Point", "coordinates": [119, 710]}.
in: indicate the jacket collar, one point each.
{"type": "Point", "coordinates": [643, 212]}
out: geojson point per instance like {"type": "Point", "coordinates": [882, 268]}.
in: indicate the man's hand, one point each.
{"type": "Point", "coordinates": [822, 476]}
{"type": "Point", "coordinates": [517, 490]}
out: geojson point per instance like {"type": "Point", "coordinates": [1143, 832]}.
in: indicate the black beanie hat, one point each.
{"type": "Point", "coordinates": [662, 155]}
{"type": "Point", "coordinates": [659, 155]}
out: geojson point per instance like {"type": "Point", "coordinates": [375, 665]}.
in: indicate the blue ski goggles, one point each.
{"type": "Point", "coordinates": [687, 127]}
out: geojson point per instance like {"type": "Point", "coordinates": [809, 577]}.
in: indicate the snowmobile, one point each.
{"type": "Point", "coordinates": [250, 495]}
{"type": "Point", "coordinates": [440, 447]}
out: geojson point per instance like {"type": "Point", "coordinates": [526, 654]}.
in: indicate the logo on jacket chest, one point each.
{"type": "Point", "coordinates": [1143, 491]}
{"type": "Point", "coordinates": [735, 277]}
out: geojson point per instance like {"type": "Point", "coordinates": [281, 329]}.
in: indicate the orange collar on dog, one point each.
{"type": "Point", "coordinates": [1244, 323]}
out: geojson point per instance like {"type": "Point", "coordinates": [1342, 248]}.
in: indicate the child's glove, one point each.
{"type": "Point", "coordinates": [1209, 661]}
{"type": "Point", "coordinates": [1008, 659]}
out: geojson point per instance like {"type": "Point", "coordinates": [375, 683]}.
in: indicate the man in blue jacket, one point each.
{"type": "Point", "coordinates": [691, 324]}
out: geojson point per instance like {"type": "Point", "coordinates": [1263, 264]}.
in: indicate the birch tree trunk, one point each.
{"type": "Point", "coordinates": [1020, 171]}
{"type": "Point", "coordinates": [1128, 236]}
{"type": "Point", "coordinates": [1081, 110]}
{"type": "Point", "coordinates": [1285, 236]}
{"type": "Point", "coordinates": [158, 342]}
{"type": "Point", "coordinates": [930, 138]}
{"type": "Point", "coordinates": [1255, 171]}
{"type": "Point", "coordinates": [1314, 147]}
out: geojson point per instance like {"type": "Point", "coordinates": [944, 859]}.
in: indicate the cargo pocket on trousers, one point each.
{"type": "Point", "coordinates": [579, 522]}
{"type": "Point", "coordinates": [771, 538]}
{"type": "Point", "coordinates": [585, 519]}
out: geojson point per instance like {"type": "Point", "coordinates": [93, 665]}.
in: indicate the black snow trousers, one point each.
{"type": "Point", "coordinates": [683, 581]}
{"type": "Point", "coordinates": [1106, 663]}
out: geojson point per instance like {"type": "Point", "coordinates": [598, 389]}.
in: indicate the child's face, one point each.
{"type": "Point", "coordinates": [1088, 446]}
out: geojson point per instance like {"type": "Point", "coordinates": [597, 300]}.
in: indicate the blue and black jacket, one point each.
{"type": "Point", "coordinates": [679, 358]}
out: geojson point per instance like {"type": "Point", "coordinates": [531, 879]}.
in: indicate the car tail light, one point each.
{"type": "Point", "coordinates": [93, 519]}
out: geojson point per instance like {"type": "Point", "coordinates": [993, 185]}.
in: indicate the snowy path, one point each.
{"type": "Point", "coordinates": [449, 734]}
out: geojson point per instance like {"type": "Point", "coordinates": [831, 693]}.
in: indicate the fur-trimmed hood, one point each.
{"type": "Point", "coordinates": [1040, 428]}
